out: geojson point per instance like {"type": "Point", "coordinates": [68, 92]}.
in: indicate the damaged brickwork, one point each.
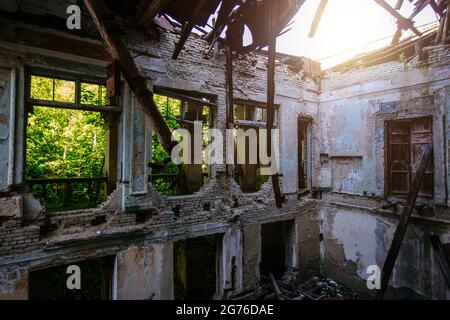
{"type": "Point", "coordinates": [339, 229]}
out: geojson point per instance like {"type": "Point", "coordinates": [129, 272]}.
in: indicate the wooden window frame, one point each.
{"type": "Point", "coordinates": [78, 79]}
{"type": "Point", "coordinates": [254, 105]}
{"type": "Point", "coordinates": [389, 192]}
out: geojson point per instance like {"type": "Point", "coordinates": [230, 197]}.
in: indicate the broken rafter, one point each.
{"type": "Point", "coordinates": [148, 10]}
{"type": "Point", "coordinates": [187, 29]}
{"type": "Point", "coordinates": [402, 22]}
{"type": "Point", "coordinates": [437, 9]}
{"type": "Point", "coordinates": [419, 7]}
{"type": "Point", "coordinates": [317, 18]}
{"type": "Point", "coordinates": [399, 4]}
{"type": "Point", "coordinates": [137, 83]}
{"type": "Point", "coordinates": [404, 220]}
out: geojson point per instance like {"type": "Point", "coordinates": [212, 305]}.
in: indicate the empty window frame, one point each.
{"type": "Point", "coordinates": [405, 142]}
{"type": "Point", "coordinates": [70, 158]}
{"type": "Point", "coordinates": [181, 111]}
{"type": "Point", "coordinates": [250, 115]}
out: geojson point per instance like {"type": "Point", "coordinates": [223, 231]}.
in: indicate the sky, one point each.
{"type": "Point", "coordinates": [347, 28]}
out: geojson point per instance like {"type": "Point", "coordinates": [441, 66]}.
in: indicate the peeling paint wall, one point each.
{"type": "Point", "coordinates": [357, 234]}
{"type": "Point", "coordinates": [144, 273]}
{"type": "Point", "coordinates": [355, 104]}
{"type": "Point", "coordinates": [356, 239]}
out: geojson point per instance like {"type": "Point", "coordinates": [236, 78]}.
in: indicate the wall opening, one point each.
{"type": "Point", "coordinates": [181, 111]}
{"type": "Point", "coordinates": [249, 115]}
{"type": "Point", "coordinates": [51, 283]}
{"type": "Point", "coordinates": [71, 143]}
{"type": "Point", "coordinates": [196, 268]}
{"type": "Point", "coordinates": [276, 247]}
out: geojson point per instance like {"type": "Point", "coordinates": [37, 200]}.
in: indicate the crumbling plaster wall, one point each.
{"type": "Point", "coordinates": [356, 238]}
{"type": "Point", "coordinates": [357, 233]}
{"type": "Point", "coordinates": [354, 105]}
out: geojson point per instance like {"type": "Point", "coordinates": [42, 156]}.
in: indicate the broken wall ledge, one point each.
{"type": "Point", "coordinates": [442, 83]}
{"type": "Point", "coordinates": [79, 249]}
{"type": "Point", "coordinates": [390, 213]}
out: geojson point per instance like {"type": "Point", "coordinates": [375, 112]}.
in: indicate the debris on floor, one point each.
{"type": "Point", "coordinates": [316, 288]}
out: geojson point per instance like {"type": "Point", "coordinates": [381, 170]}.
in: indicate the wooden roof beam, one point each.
{"type": "Point", "coordinates": [399, 4]}
{"type": "Point", "coordinates": [317, 18]}
{"type": "Point", "coordinates": [148, 10]}
{"type": "Point", "coordinates": [137, 83]}
{"type": "Point", "coordinates": [187, 29]}
{"type": "Point", "coordinates": [401, 20]}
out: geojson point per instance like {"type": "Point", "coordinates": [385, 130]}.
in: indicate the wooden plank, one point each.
{"type": "Point", "coordinates": [277, 290]}
{"type": "Point", "coordinates": [317, 18]}
{"type": "Point", "coordinates": [71, 106]}
{"type": "Point", "coordinates": [118, 50]}
{"type": "Point", "coordinates": [113, 81]}
{"type": "Point", "coordinates": [399, 4]}
{"type": "Point", "coordinates": [272, 36]}
{"type": "Point", "coordinates": [404, 221]}
{"type": "Point", "coordinates": [446, 24]}
{"type": "Point", "coordinates": [180, 96]}
{"type": "Point", "coordinates": [444, 263]}
{"type": "Point", "coordinates": [436, 8]}
{"type": "Point", "coordinates": [230, 89]}
{"type": "Point", "coordinates": [148, 10]}
{"type": "Point", "coordinates": [230, 97]}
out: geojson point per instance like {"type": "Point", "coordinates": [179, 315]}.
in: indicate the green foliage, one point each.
{"type": "Point", "coordinates": [64, 143]}
{"type": "Point", "coordinates": [170, 109]}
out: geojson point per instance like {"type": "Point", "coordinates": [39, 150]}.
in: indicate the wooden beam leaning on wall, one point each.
{"type": "Point", "coordinates": [118, 50]}
{"type": "Point", "coordinates": [442, 259]}
{"type": "Point", "coordinates": [404, 221]}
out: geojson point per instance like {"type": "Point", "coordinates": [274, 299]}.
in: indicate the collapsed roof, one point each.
{"type": "Point", "coordinates": [232, 16]}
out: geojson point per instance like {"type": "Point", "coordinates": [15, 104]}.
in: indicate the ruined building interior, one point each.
{"type": "Point", "coordinates": [363, 155]}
